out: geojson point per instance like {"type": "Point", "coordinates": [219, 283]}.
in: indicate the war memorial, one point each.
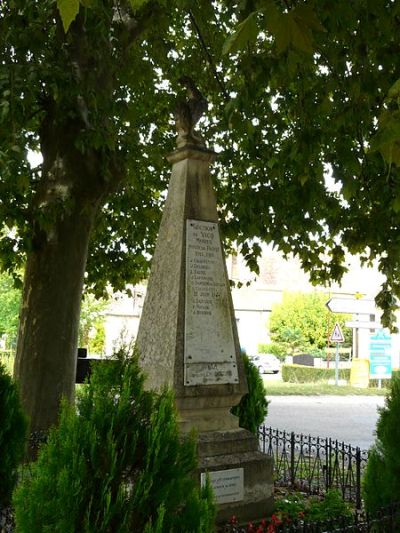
{"type": "Point", "coordinates": [188, 337]}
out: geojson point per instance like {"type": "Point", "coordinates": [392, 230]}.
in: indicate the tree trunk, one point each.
{"type": "Point", "coordinates": [81, 167]}
{"type": "Point", "coordinates": [45, 364]}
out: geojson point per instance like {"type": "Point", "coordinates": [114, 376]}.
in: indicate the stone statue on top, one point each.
{"type": "Point", "coordinates": [188, 112]}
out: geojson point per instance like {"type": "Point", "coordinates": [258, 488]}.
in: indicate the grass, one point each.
{"type": "Point", "coordinates": [280, 388]}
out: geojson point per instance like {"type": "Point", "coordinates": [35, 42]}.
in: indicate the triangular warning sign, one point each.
{"type": "Point", "coordinates": [337, 335]}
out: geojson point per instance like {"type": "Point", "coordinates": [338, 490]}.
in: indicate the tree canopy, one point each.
{"type": "Point", "coordinates": [300, 86]}
{"type": "Point", "coordinates": [295, 87]}
{"type": "Point", "coordinates": [316, 87]}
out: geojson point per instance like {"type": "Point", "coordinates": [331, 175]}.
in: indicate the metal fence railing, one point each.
{"type": "Point", "coordinates": [314, 464]}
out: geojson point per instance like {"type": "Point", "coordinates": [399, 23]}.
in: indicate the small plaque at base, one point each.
{"type": "Point", "coordinates": [228, 485]}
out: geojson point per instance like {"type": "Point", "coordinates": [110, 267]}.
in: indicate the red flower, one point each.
{"type": "Point", "coordinates": [260, 529]}
{"type": "Point", "coordinates": [271, 528]}
{"type": "Point", "coordinates": [233, 520]}
{"type": "Point", "coordinates": [263, 523]}
{"type": "Point", "coordinates": [250, 527]}
{"type": "Point", "coordinates": [276, 520]}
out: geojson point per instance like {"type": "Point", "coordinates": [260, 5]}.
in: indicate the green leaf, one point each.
{"type": "Point", "coordinates": [349, 189]}
{"type": "Point", "coordinates": [293, 28]}
{"type": "Point", "coordinates": [137, 4]}
{"type": "Point", "coordinates": [272, 17]}
{"type": "Point", "coordinates": [283, 36]}
{"type": "Point", "coordinates": [309, 17]}
{"type": "Point", "coordinates": [396, 204]}
{"type": "Point", "coordinates": [301, 36]}
{"type": "Point", "coordinates": [68, 11]}
{"type": "Point", "coordinates": [394, 91]}
{"type": "Point", "coordinates": [387, 138]}
{"type": "Point", "coordinates": [246, 33]}
{"type": "Point", "coordinates": [275, 23]}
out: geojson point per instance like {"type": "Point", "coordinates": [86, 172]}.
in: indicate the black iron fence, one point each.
{"type": "Point", "coordinates": [314, 464]}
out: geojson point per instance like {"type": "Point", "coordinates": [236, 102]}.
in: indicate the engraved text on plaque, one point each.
{"type": "Point", "coordinates": [209, 345]}
{"type": "Point", "coordinates": [227, 485]}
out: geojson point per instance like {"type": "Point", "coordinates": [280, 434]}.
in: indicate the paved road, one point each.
{"type": "Point", "coordinates": [351, 419]}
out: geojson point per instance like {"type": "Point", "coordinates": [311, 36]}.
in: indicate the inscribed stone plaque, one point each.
{"type": "Point", "coordinates": [227, 485]}
{"type": "Point", "coordinates": [210, 356]}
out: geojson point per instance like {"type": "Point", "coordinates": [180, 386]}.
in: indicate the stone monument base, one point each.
{"type": "Point", "coordinates": [241, 475]}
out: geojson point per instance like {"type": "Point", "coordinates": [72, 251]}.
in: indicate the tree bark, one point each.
{"type": "Point", "coordinates": [45, 363]}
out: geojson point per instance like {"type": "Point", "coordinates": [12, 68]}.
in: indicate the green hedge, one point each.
{"type": "Point", "coordinates": [310, 374]}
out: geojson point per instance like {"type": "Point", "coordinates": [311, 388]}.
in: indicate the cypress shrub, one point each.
{"type": "Point", "coordinates": [253, 407]}
{"type": "Point", "coordinates": [115, 464]}
{"type": "Point", "coordinates": [13, 427]}
{"type": "Point", "coordinates": [381, 482]}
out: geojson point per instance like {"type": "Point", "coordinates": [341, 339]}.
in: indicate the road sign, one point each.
{"type": "Point", "coordinates": [380, 355]}
{"type": "Point", "coordinates": [358, 324]}
{"type": "Point", "coordinates": [337, 335]}
{"type": "Point", "coordinates": [351, 306]}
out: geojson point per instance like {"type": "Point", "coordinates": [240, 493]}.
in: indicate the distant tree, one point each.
{"type": "Point", "coordinates": [303, 322]}
{"type": "Point", "coordinates": [292, 338]}
{"type": "Point", "coordinates": [91, 324]}
{"type": "Point", "coordinates": [273, 347]}
{"type": "Point", "coordinates": [10, 298]}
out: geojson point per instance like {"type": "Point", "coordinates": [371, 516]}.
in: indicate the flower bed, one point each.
{"type": "Point", "coordinates": [296, 508]}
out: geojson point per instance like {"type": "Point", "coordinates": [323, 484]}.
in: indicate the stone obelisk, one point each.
{"type": "Point", "coordinates": [187, 337]}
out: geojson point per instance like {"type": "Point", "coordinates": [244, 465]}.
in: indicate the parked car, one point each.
{"type": "Point", "coordinates": [267, 363]}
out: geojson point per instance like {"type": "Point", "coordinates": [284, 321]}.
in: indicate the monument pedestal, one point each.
{"type": "Point", "coordinates": [188, 339]}
{"type": "Point", "coordinates": [241, 476]}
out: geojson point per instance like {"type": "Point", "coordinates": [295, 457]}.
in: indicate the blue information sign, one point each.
{"type": "Point", "coordinates": [380, 355]}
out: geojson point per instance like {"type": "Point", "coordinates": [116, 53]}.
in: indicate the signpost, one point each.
{"type": "Point", "coordinates": [337, 336]}
{"type": "Point", "coordinates": [380, 356]}
{"type": "Point", "coordinates": [362, 324]}
{"type": "Point", "coordinates": [354, 306]}
{"type": "Point", "coordinates": [351, 306]}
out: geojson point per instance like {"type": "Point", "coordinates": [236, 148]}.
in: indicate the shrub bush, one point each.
{"type": "Point", "coordinates": [312, 509]}
{"type": "Point", "coordinates": [253, 407]}
{"type": "Point", "coordinates": [115, 464]}
{"type": "Point", "coordinates": [330, 507]}
{"type": "Point", "coordinates": [310, 374]}
{"type": "Point", "coordinates": [13, 427]}
{"type": "Point", "coordinates": [381, 482]}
